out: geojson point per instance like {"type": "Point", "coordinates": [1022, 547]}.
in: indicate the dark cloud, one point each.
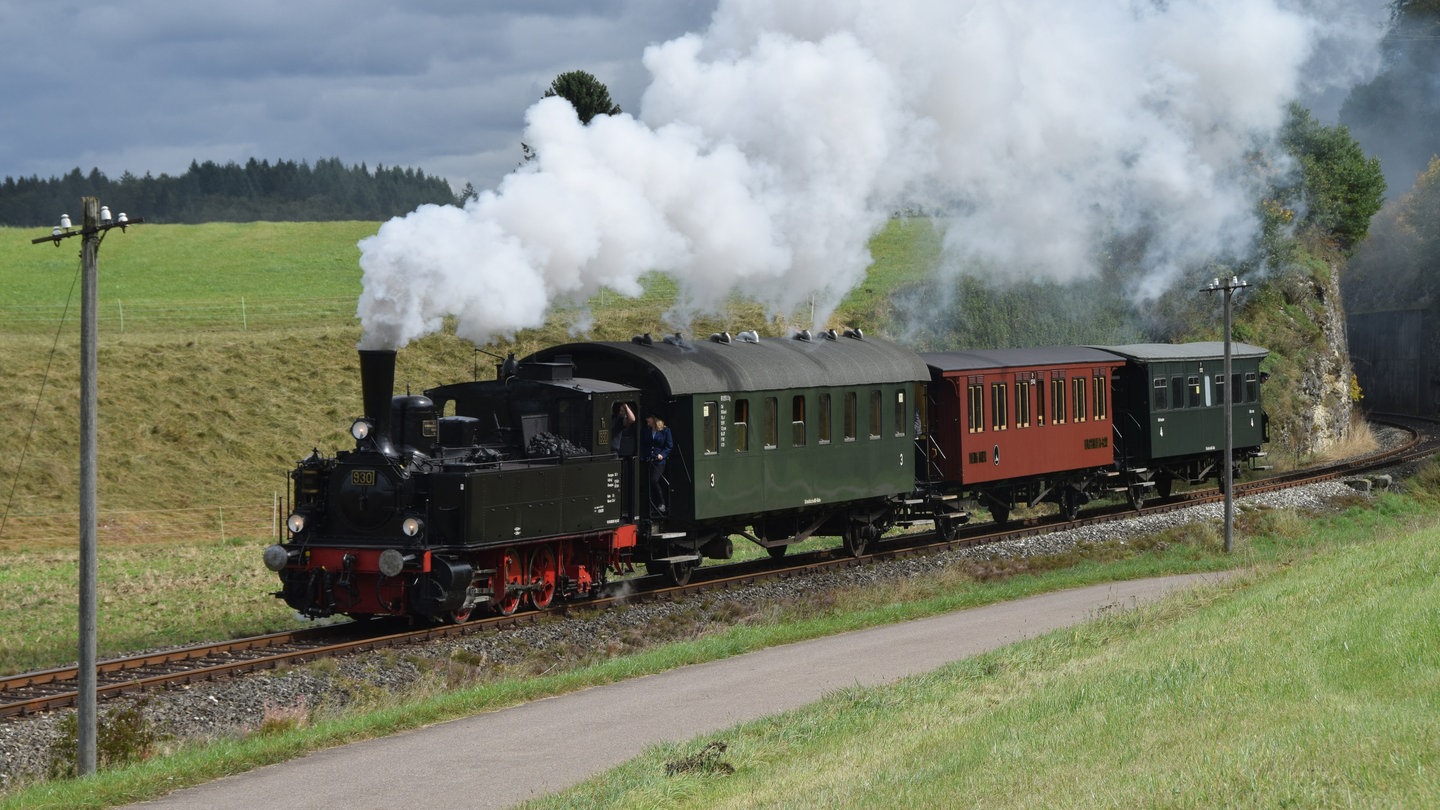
{"type": "Point", "coordinates": [149, 85]}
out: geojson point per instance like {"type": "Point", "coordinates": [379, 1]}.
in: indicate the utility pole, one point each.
{"type": "Point", "coordinates": [95, 224]}
{"type": "Point", "coordinates": [1229, 288]}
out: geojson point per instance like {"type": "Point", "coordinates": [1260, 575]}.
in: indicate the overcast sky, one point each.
{"type": "Point", "coordinates": [440, 85]}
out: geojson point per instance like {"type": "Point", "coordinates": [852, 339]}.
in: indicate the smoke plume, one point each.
{"type": "Point", "coordinates": [770, 147]}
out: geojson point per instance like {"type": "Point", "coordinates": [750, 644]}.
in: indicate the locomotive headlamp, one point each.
{"type": "Point", "coordinates": [392, 562]}
{"type": "Point", "coordinates": [360, 429]}
{"type": "Point", "coordinates": [295, 523]}
{"type": "Point", "coordinates": [276, 558]}
{"type": "Point", "coordinates": [412, 527]}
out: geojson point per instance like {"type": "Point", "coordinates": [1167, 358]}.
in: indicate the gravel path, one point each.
{"type": "Point", "coordinates": [208, 711]}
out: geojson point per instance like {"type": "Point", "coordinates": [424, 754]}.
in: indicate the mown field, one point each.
{"type": "Point", "coordinates": [227, 352]}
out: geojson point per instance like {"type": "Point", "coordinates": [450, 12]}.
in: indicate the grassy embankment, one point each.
{"type": "Point", "coordinates": [226, 352]}
{"type": "Point", "coordinates": [1316, 684]}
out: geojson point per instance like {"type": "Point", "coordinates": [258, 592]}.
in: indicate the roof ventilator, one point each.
{"type": "Point", "coordinates": [676, 339]}
{"type": "Point", "coordinates": [803, 334]}
{"type": "Point", "coordinates": [720, 337]}
{"type": "Point", "coordinates": [748, 336]}
{"type": "Point", "coordinates": [643, 340]}
{"type": "Point", "coordinates": [829, 334]}
{"type": "Point", "coordinates": [855, 333]}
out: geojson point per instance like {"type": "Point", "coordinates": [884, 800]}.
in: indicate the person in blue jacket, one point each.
{"type": "Point", "coordinates": [656, 442]}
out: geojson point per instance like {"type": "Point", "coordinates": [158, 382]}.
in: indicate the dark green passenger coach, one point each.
{"type": "Point", "coordinates": [1170, 414]}
{"type": "Point", "coordinates": [791, 436]}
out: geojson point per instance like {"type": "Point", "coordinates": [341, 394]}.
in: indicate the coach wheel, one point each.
{"type": "Point", "coordinates": [1164, 485]}
{"type": "Point", "coordinates": [1069, 504]}
{"type": "Point", "coordinates": [947, 528]}
{"type": "Point", "coordinates": [776, 552]}
{"type": "Point", "coordinates": [1137, 498]}
{"type": "Point", "coordinates": [1000, 513]}
{"type": "Point", "coordinates": [504, 583]}
{"type": "Point", "coordinates": [675, 573]}
{"type": "Point", "coordinates": [542, 577]}
{"type": "Point", "coordinates": [857, 538]}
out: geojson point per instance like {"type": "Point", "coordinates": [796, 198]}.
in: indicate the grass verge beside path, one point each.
{"type": "Point", "coordinates": [1317, 686]}
{"type": "Point", "coordinates": [1234, 684]}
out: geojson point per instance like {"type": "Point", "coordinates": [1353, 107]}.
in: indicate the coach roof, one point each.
{"type": "Point", "coordinates": [705, 367]}
{"type": "Point", "coordinates": [1200, 350]}
{"type": "Point", "coordinates": [1017, 358]}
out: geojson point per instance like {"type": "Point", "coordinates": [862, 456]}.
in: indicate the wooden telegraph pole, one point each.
{"type": "Point", "coordinates": [96, 222]}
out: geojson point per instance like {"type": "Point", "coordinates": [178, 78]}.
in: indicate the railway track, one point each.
{"type": "Point", "coordinates": [35, 692]}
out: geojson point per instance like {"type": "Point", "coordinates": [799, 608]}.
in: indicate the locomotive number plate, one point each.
{"type": "Point", "coordinates": [362, 478]}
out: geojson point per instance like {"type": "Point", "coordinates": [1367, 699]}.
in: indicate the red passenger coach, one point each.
{"type": "Point", "coordinates": [1021, 426]}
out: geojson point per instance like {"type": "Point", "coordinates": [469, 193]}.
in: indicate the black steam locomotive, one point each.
{"type": "Point", "coordinates": [517, 491]}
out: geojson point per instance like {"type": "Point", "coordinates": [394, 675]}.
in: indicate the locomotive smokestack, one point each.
{"type": "Point", "coordinates": [377, 385]}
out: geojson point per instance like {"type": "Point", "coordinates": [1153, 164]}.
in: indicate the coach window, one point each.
{"type": "Point", "coordinates": [1102, 397]}
{"type": "Point", "coordinates": [1192, 386]}
{"type": "Point", "coordinates": [1057, 399]}
{"type": "Point", "coordinates": [1237, 390]}
{"type": "Point", "coordinates": [710, 425]}
{"type": "Point", "coordinates": [877, 400]}
{"type": "Point", "coordinates": [742, 425]}
{"type": "Point", "coordinates": [999, 406]}
{"type": "Point", "coordinates": [975, 399]}
{"type": "Point", "coordinates": [824, 418]}
{"type": "Point", "coordinates": [1177, 392]}
{"type": "Point", "coordinates": [900, 413]}
{"type": "Point", "coordinates": [1162, 394]}
{"type": "Point", "coordinates": [1039, 387]}
{"type": "Point", "coordinates": [1081, 400]}
{"type": "Point", "coordinates": [772, 423]}
{"type": "Point", "coordinates": [1022, 403]}
{"type": "Point", "coordinates": [852, 417]}
{"type": "Point", "coordinates": [1220, 389]}
{"type": "Point", "coordinates": [1252, 387]}
{"type": "Point", "coordinates": [797, 420]}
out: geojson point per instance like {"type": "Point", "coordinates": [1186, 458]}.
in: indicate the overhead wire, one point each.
{"type": "Point", "coordinates": [39, 398]}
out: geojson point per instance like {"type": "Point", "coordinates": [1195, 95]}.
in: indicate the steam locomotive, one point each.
{"type": "Point", "coordinates": [514, 492]}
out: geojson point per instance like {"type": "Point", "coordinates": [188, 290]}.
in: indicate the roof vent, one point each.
{"type": "Point", "coordinates": [803, 334]}
{"type": "Point", "coordinates": [643, 340]}
{"type": "Point", "coordinates": [720, 337]}
{"type": "Point", "coordinates": [829, 334]}
{"type": "Point", "coordinates": [748, 336]}
{"type": "Point", "coordinates": [855, 333]}
{"type": "Point", "coordinates": [676, 339]}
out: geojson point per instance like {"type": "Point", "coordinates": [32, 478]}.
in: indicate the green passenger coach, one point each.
{"type": "Point", "coordinates": [1171, 397]}
{"type": "Point", "coordinates": [776, 439]}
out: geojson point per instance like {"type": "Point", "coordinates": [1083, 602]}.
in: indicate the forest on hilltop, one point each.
{"type": "Point", "coordinates": [283, 191]}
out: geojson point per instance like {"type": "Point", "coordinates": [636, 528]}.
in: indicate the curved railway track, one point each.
{"type": "Point", "coordinates": [31, 693]}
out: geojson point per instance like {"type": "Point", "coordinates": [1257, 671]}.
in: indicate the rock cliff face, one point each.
{"type": "Point", "coordinates": [1325, 382]}
{"type": "Point", "coordinates": [1300, 317]}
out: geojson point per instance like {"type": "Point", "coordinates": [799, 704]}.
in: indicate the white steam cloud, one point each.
{"type": "Point", "coordinates": [772, 146]}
